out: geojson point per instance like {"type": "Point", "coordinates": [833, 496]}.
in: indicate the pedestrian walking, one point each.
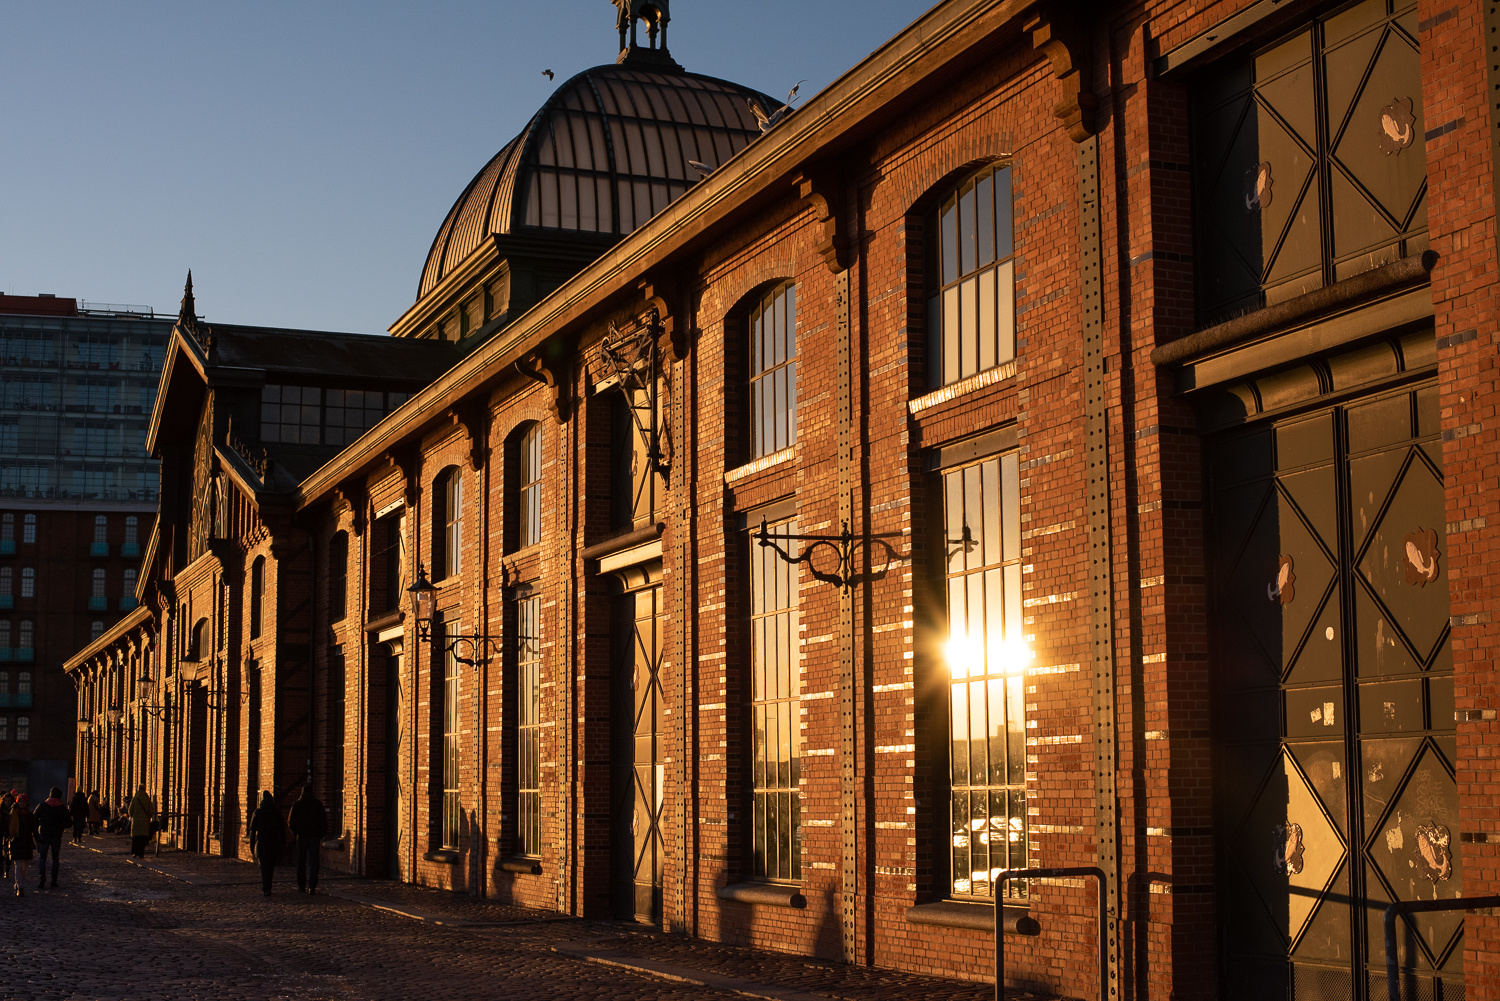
{"type": "Point", "coordinates": [22, 829]}
{"type": "Point", "coordinates": [7, 803]}
{"type": "Point", "coordinates": [142, 815]}
{"type": "Point", "coordinates": [309, 822]}
{"type": "Point", "coordinates": [94, 818]}
{"type": "Point", "coordinates": [52, 818]}
{"type": "Point", "coordinates": [267, 838]}
{"type": "Point", "coordinates": [79, 809]}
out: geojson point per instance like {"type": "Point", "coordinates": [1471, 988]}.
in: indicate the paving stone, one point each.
{"type": "Point", "coordinates": [180, 925]}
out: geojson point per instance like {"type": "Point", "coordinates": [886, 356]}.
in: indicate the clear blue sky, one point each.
{"type": "Point", "coordinates": [299, 157]}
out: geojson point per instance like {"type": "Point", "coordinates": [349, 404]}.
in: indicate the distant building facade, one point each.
{"type": "Point", "coordinates": [1060, 443]}
{"type": "Point", "coordinates": [78, 495]}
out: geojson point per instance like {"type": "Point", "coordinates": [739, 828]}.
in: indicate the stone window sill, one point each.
{"type": "Point", "coordinates": [974, 916]}
{"type": "Point", "coordinates": [446, 856]}
{"type": "Point", "coordinates": [526, 866]}
{"type": "Point", "coordinates": [766, 894]}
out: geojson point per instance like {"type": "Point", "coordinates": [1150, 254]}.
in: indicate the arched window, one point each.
{"type": "Point", "coordinates": [971, 306]}
{"type": "Point", "coordinates": [772, 326]}
{"type": "Point", "coordinates": [198, 642]}
{"type": "Point", "coordinates": [101, 529]}
{"type": "Point", "coordinates": [529, 489]}
{"type": "Point", "coordinates": [96, 629]}
{"type": "Point", "coordinates": [127, 595]}
{"type": "Point", "coordinates": [28, 582]}
{"type": "Point", "coordinates": [26, 642]}
{"type": "Point", "coordinates": [4, 635]}
{"type": "Point", "coordinates": [23, 683]}
{"type": "Point", "coordinates": [4, 727]}
{"type": "Point", "coordinates": [7, 582]}
{"type": "Point", "coordinates": [98, 591]}
{"type": "Point", "coordinates": [23, 728]}
{"type": "Point", "coordinates": [338, 575]}
{"type": "Point", "coordinates": [7, 528]}
{"type": "Point", "coordinates": [448, 527]}
{"type": "Point", "coordinates": [28, 529]}
{"type": "Point", "coordinates": [132, 530]}
{"type": "Point", "coordinates": [4, 683]}
{"type": "Point", "coordinates": [257, 594]}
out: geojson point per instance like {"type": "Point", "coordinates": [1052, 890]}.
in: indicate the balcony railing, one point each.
{"type": "Point", "coordinates": [99, 549]}
{"type": "Point", "coordinates": [7, 547]}
{"type": "Point", "coordinates": [98, 603]}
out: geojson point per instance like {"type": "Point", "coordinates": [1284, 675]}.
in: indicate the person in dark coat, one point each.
{"type": "Point", "coordinates": [94, 818]}
{"type": "Point", "coordinates": [267, 838]}
{"type": "Point", "coordinates": [7, 803]}
{"type": "Point", "coordinates": [79, 809]}
{"type": "Point", "coordinates": [309, 822]}
{"type": "Point", "coordinates": [52, 818]}
{"type": "Point", "coordinates": [22, 829]}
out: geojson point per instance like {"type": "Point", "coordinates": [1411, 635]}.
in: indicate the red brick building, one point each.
{"type": "Point", "coordinates": [1065, 441]}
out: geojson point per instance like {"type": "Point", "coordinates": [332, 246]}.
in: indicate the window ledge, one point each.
{"type": "Point", "coordinates": [525, 866]}
{"type": "Point", "coordinates": [972, 915]}
{"type": "Point", "coordinates": [758, 465]}
{"type": "Point", "coordinates": [952, 391]}
{"type": "Point", "coordinates": [446, 856]}
{"type": "Point", "coordinates": [769, 894]}
{"type": "Point", "coordinates": [385, 620]}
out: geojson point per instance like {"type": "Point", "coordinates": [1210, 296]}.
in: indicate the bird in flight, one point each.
{"type": "Point", "coordinates": [767, 122]}
{"type": "Point", "coordinates": [548, 74]}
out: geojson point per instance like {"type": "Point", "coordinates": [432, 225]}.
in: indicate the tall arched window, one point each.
{"type": "Point", "coordinates": [529, 489]}
{"type": "Point", "coordinates": [448, 529]}
{"type": "Point", "coordinates": [7, 582]}
{"type": "Point", "coordinates": [28, 582]}
{"type": "Point", "coordinates": [4, 685]}
{"type": "Point", "coordinates": [26, 636]}
{"type": "Point", "coordinates": [338, 576]}
{"type": "Point", "coordinates": [96, 629]}
{"type": "Point", "coordinates": [23, 728]}
{"type": "Point", "coordinates": [7, 528]}
{"type": "Point", "coordinates": [772, 326]}
{"type": "Point", "coordinates": [971, 314]}
{"type": "Point", "coordinates": [101, 529]}
{"type": "Point", "coordinates": [28, 529]}
{"type": "Point", "coordinates": [23, 688]}
{"type": "Point", "coordinates": [4, 635]}
{"type": "Point", "coordinates": [98, 591]}
{"type": "Point", "coordinates": [132, 529]}
{"type": "Point", "coordinates": [4, 727]}
{"type": "Point", "coordinates": [257, 594]}
{"type": "Point", "coordinates": [198, 640]}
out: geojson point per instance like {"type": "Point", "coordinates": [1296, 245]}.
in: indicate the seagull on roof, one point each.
{"type": "Point", "coordinates": [768, 122]}
{"type": "Point", "coordinates": [701, 168]}
{"type": "Point", "coordinates": [548, 74]}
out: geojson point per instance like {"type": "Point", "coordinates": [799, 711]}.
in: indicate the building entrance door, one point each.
{"type": "Point", "coordinates": [395, 804]}
{"type": "Point", "coordinates": [638, 738]}
{"type": "Point", "coordinates": [1334, 721]}
{"type": "Point", "coordinates": [197, 766]}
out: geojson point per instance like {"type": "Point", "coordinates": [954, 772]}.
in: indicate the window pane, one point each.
{"type": "Point", "coordinates": [969, 327]}
{"type": "Point", "coordinates": [1005, 313]}
{"type": "Point", "coordinates": [951, 336]}
{"type": "Point", "coordinates": [984, 217]}
{"type": "Point", "coordinates": [1003, 245]}
{"type": "Point", "coordinates": [948, 249]}
{"type": "Point", "coordinates": [967, 230]}
{"type": "Point", "coordinates": [986, 321]}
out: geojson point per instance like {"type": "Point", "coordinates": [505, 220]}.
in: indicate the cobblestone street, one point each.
{"type": "Point", "coordinates": [188, 926]}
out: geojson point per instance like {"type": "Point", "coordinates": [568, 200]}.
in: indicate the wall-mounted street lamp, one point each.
{"type": "Point", "coordinates": [145, 691]}
{"type": "Point", "coordinates": [479, 646]}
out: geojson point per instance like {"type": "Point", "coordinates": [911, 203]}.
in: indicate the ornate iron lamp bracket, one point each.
{"type": "Point", "coordinates": [842, 547]}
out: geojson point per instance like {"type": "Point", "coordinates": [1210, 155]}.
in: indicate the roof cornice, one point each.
{"type": "Point", "coordinates": [835, 116]}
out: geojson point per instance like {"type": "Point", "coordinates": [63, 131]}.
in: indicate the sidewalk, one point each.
{"type": "Point", "coordinates": [677, 959]}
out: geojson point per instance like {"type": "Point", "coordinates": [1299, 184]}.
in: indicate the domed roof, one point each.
{"type": "Point", "coordinates": [608, 150]}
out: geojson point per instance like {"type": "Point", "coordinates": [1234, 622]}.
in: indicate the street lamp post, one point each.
{"type": "Point", "coordinates": [478, 645]}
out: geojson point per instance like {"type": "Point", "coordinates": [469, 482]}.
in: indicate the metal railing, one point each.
{"type": "Point", "coordinates": [1392, 970]}
{"type": "Point", "coordinates": [1086, 870]}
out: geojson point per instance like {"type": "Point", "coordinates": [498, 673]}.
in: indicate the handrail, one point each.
{"type": "Point", "coordinates": [1085, 870]}
{"type": "Point", "coordinates": [1392, 971]}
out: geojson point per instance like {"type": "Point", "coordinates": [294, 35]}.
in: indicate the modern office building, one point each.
{"type": "Point", "coordinates": [1065, 442]}
{"type": "Point", "coordinates": [78, 495]}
